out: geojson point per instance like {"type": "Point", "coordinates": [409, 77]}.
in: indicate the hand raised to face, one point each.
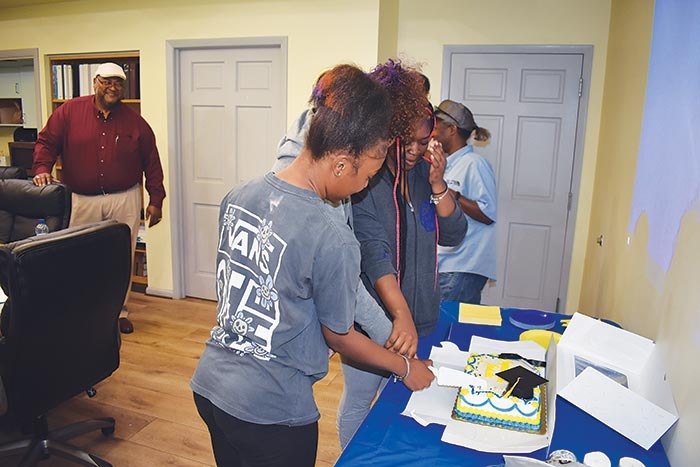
{"type": "Point", "coordinates": [437, 158]}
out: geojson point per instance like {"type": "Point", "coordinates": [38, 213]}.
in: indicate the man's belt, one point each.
{"type": "Point", "coordinates": [103, 193]}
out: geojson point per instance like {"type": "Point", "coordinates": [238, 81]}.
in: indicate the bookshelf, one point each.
{"type": "Point", "coordinates": [71, 75]}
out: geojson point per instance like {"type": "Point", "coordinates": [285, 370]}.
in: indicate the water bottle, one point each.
{"type": "Point", "coordinates": [41, 227]}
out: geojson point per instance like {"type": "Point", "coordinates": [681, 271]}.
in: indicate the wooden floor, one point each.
{"type": "Point", "coordinates": [149, 395]}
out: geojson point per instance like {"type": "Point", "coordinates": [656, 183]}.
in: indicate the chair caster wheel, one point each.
{"type": "Point", "coordinates": [107, 431]}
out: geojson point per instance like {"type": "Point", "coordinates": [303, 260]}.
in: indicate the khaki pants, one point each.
{"type": "Point", "coordinates": [122, 207]}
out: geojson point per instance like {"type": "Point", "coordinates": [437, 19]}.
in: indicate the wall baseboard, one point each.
{"type": "Point", "coordinates": [165, 293]}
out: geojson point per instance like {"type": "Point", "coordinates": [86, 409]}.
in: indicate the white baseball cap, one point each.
{"type": "Point", "coordinates": [110, 70]}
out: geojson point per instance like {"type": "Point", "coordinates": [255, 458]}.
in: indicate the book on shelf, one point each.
{"type": "Point", "coordinates": [64, 81]}
{"type": "Point", "coordinates": [93, 71]}
{"type": "Point", "coordinates": [141, 237]}
{"type": "Point", "coordinates": [135, 82]}
{"type": "Point", "coordinates": [58, 82]}
{"type": "Point", "coordinates": [85, 70]}
{"type": "Point", "coordinates": [67, 81]}
{"type": "Point", "coordinates": [130, 90]}
{"type": "Point", "coordinates": [140, 265]}
{"type": "Point", "coordinates": [54, 82]}
{"type": "Point", "coordinates": [126, 94]}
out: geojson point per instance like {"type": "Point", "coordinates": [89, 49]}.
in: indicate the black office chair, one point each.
{"type": "Point", "coordinates": [60, 330]}
{"type": "Point", "coordinates": [16, 173]}
{"type": "Point", "coordinates": [22, 155]}
{"type": "Point", "coordinates": [27, 135]}
{"type": "Point", "coordinates": [22, 203]}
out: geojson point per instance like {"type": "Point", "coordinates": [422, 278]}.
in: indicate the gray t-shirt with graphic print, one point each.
{"type": "Point", "coordinates": [284, 267]}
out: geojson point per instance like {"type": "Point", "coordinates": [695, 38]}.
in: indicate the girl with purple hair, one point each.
{"type": "Point", "coordinates": [399, 219]}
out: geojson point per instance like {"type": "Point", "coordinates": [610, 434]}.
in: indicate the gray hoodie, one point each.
{"type": "Point", "coordinates": [375, 227]}
{"type": "Point", "coordinates": [292, 142]}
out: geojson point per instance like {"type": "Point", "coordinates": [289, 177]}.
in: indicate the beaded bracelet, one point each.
{"type": "Point", "coordinates": [408, 370]}
{"type": "Point", "coordinates": [435, 199]}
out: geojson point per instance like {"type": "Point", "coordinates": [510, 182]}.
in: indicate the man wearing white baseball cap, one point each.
{"type": "Point", "coordinates": [110, 70]}
{"type": "Point", "coordinates": [106, 148]}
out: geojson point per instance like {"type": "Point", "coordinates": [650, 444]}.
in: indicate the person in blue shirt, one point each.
{"type": "Point", "coordinates": [465, 268]}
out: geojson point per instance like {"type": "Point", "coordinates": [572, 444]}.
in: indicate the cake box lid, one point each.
{"type": "Point", "coordinates": [617, 377]}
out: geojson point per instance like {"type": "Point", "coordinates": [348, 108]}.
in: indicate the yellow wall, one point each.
{"type": "Point", "coordinates": [425, 27]}
{"type": "Point", "coordinates": [622, 282]}
{"type": "Point", "coordinates": [316, 40]}
{"type": "Point", "coordinates": [388, 29]}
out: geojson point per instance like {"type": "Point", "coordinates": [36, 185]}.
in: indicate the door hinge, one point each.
{"type": "Point", "coordinates": [568, 203]}
{"type": "Point", "coordinates": [580, 86]}
{"type": "Point", "coordinates": [556, 307]}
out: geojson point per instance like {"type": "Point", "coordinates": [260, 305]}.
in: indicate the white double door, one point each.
{"type": "Point", "coordinates": [231, 116]}
{"type": "Point", "coordinates": [530, 103]}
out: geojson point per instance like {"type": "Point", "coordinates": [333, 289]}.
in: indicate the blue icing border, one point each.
{"type": "Point", "coordinates": [501, 423]}
{"type": "Point", "coordinates": [510, 409]}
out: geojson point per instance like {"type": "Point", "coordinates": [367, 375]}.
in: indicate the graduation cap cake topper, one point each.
{"type": "Point", "coordinates": [521, 382]}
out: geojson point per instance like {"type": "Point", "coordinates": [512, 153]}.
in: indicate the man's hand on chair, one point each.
{"type": "Point", "coordinates": [42, 179]}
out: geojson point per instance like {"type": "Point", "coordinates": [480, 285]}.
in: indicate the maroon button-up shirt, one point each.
{"type": "Point", "coordinates": [100, 155]}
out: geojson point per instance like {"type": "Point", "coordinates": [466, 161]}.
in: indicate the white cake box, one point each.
{"type": "Point", "coordinates": [617, 377]}
{"type": "Point", "coordinates": [435, 404]}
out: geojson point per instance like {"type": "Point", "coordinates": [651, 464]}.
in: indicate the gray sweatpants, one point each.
{"type": "Point", "coordinates": [360, 386]}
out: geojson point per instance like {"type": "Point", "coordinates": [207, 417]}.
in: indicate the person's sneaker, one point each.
{"type": "Point", "coordinates": [125, 326]}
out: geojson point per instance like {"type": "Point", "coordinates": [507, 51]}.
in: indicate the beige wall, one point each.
{"type": "Point", "coordinates": [622, 282]}
{"type": "Point", "coordinates": [316, 40]}
{"type": "Point", "coordinates": [367, 31]}
{"type": "Point", "coordinates": [425, 27]}
{"type": "Point", "coordinates": [388, 29]}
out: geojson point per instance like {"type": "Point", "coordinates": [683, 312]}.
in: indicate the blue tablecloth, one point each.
{"type": "Point", "coordinates": [387, 438]}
